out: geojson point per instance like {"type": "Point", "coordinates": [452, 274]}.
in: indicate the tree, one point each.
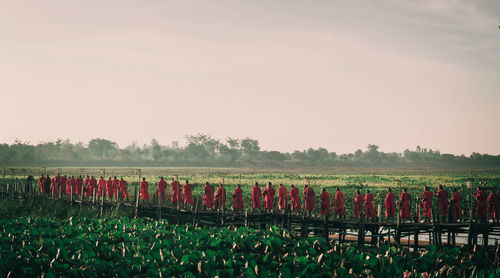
{"type": "Point", "coordinates": [250, 148]}
{"type": "Point", "coordinates": [102, 148]}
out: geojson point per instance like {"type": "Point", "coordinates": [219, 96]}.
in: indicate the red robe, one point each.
{"type": "Point", "coordinates": [123, 189]}
{"type": "Point", "coordinates": [339, 203]}
{"type": "Point", "coordinates": [295, 199]}
{"type": "Point", "coordinates": [481, 204]}
{"type": "Point", "coordinates": [456, 209]}
{"type": "Point", "coordinates": [70, 185]}
{"type": "Point", "coordinates": [389, 205]}
{"type": "Point", "coordinates": [238, 199]}
{"type": "Point", "coordinates": [87, 187]}
{"type": "Point", "coordinates": [369, 209]}
{"type": "Point", "coordinates": [175, 186]}
{"type": "Point", "coordinates": [115, 186]}
{"type": "Point", "coordinates": [53, 185]}
{"type": "Point", "coordinates": [78, 186]}
{"type": "Point", "coordinates": [220, 197]}
{"type": "Point", "coordinates": [442, 202]}
{"type": "Point", "coordinates": [40, 182]}
{"type": "Point", "coordinates": [109, 188]}
{"type": "Point", "coordinates": [162, 186]}
{"type": "Point", "coordinates": [427, 203]}
{"type": "Point", "coordinates": [309, 198]}
{"type": "Point", "coordinates": [63, 184]}
{"type": "Point", "coordinates": [358, 205]}
{"type": "Point", "coordinates": [101, 186]}
{"type": "Point", "coordinates": [208, 199]}
{"type": "Point", "coordinates": [93, 184]}
{"type": "Point", "coordinates": [325, 203]}
{"type": "Point", "coordinates": [493, 206]}
{"type": "Point", "coordinates": [144, 190]}
{"type": "Point", "coordinates": [268, 197]}
{"type": "Point", "coordinates": [188, 194]}
{"type": "Point", "coordinates": [256, 198]}
{"type": "Point", "coordinates": [282, 196]}
{"type": "Point", "coordinates": [404, 204]}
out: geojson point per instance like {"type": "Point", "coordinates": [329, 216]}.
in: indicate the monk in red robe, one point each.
{"type": "Point", "coordinates": [93, 185]}
{"type": "Point", "coordinates": [369, 209]}
{"type": "Point", "coordinates": [188, 194]}
{"type": "Point", "coordinates": [78, 185]}
{"type": "Point", "coordinates": [308, 199]}
{"type": "Point", "coordinates": [404, 205]}
{"type": "Point", "coordinates": [456, 208]}
{"type": "Point", "coordinates": [442, 196]}
{"type": "Point", "coordinates": [256, 197]}
{"type": "Point", "coordinates": [220, 197]}
{"type": "Point", "coordinates": [62, 183]}
{"type": "Point", "coordinates": [294, 198]}
{"type": "Point", "coordinates": [175, 186]}
{"type": "Point", "coordinates": [70, 185]}
{"type": "Point", "coordinates": [493, 205]}
{"type": "Point", "coordinates": [481, 204]}
{"type": "Point", "coordinates": [427, 203]}
{"type": "Point", "coordinates": [162, 186]}
{"type": "Point", "coordinates": [269, 193]}
{"type": "Point", "coordinates": [208, 198]}
{"type": "Point", "coordinates": [87, 186]}
{"type": "Point", "coordinates": [325, 203]}
{"type": "Point", "coordinates": [358, 204]}
{"type": "Point", "coordinates": [101, 186]}
{"type": "Point", "coordinates": [41, 180]}
{"type": "Point", "coordinates": [389, 205]}
{"type": "Point", "coordinates": [116, 187]}
{"type": "Point", "coordinates": [237, 199]}
{"type": "Point", "coordinates": [53, 185]}
{"type": "Point", "coordinates": [144, 189]}
{"type": "Point", "coordinates": [339, 204]}
{"type": "Point", "coordinates": [109, 188]}
{"type": "Point", "coordinates": [282, 197]}
{"type": "Point", "coordinates": [123, 188]}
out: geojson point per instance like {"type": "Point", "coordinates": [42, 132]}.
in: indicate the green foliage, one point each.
{"type": "Point", "coordinates": [125, 247]}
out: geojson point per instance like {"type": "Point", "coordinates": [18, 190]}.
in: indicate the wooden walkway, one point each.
{"type": "Point", "coordinates": [411, 234]}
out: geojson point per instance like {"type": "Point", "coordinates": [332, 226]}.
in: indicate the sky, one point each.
{"type": "Point", "coordinates": [292, 74]}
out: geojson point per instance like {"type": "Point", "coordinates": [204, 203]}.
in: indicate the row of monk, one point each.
{"type": "Point", "coordinates": [487, 206]}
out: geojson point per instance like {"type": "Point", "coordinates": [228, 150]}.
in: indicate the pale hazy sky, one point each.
{"type": "Point", "coordinates": [293, 74]}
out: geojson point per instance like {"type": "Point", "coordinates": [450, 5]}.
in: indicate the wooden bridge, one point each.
{"type": "Point", "coordinates": [413, 234]}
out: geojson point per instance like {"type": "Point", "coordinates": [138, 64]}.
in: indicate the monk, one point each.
{"type": "Point", "coordinates": [208, 198]}
{"type": "Point", "coordinates": [442, 196]}
{"type": "Point", "coordinates": [325, 203]}
{"type": "Point", "coordinates": [256, 198]}
{"type": "Point", "coordinates": [109, 188]}
{"type": "Point", "coordinates": [237, 199]}
{"type": "Point", "coordinates": [46, 184]}
{"type": "Point", "coordinates": [404, 205]}
{"type": "Point", "coordinates": [162, 186]}
{"type": "Point", "coordinates": [116, 186]}
{"type": "Point", "coordinates": [188, 194]}
{"type": "Point", "coordinates": [493, 205]}
{"type": "Point", "coordinates": [389, 204]}
{"type": "Point", "coordinates": [101, 186]}
{"type": "Point", "coordinates": [220, 197]}
{"type": "Point", "coordinates": [87, 186]}
{"type": "Point", "coordinates": [369, 209]}
{"type": "Point", "coordinates": [70, 185]}
{"type": "Point", "coordinates": [339, 204]}
{"type": "Point", "coordinates": [175, 186]}
{"type": "Point", "coordinates": [294, 198]}
{"type": "Point", "coordinates": [93, 184]}
{"type": "Point", "coordinates": [269, 193]}
{"type": "Point", "coordinates": [41, 180]}
{"type": "Point", "coordinates": [308, 199]}
{"type": "Point", "coordinates": [62, 186]}
{"type": "Point", "coordinates": [358, 204]}
{"type": "Point", "coordinates": [144, 189]}
{"type": "Point", "coordinates": [481, 204]}
{"type": "Point", "coordinates": [427, 203]}
{"type": "Point", "coordinates": [53, 185]}
{"type": "Point", "coordinates": [282, 197]}
{"type": "Point", "coordinates": [79, 185]}
{"type": "Point", "coordinates": [456, 208]}
{"type": "Point", "coordinates": [123, 188]}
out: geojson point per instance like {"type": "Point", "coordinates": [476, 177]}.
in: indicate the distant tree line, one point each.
{"type": "Point", "coordinates": [205, 150]}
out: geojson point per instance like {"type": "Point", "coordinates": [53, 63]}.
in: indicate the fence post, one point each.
{"type": "Point", "coordinates": [136, 203]}
{"type": "Point", "coordinates": [159, 206]}
{"type": "Point", "coordinates": [102, 200]}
